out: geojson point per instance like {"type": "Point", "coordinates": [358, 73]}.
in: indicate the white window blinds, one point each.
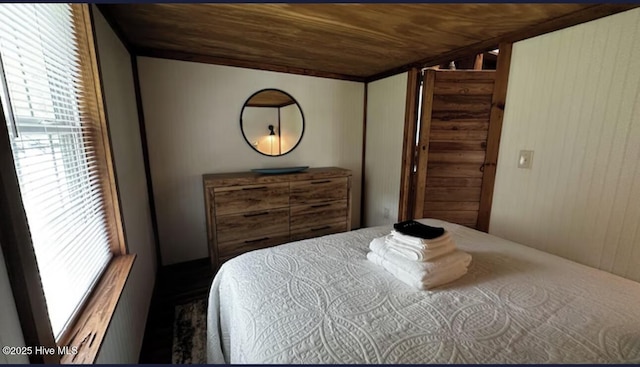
{"type": "Point", "coordinates": [49, 108]}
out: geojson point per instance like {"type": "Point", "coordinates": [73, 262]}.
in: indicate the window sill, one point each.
{"type": "Point", "coordinates": [91, 326]}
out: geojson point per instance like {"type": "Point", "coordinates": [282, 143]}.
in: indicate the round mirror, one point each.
{"type": "Point", "coordinates": [272, 122]}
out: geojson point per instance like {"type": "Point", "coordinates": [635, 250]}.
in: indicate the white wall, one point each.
{"type": "Point", "coordinates": [386, 100]}
{"type": "Point", "coordinates": [192, 115]}
{"type": "Point", "coordinates": [255, 125]}
{"type": "Point", "coordinates": [124, 337]}
{"type": "Point", "coordinates": [290, 126]}
{"type": "Point", "coordinates": [574, 98]}
{"type": "Point", "coordinates": [10, 330]}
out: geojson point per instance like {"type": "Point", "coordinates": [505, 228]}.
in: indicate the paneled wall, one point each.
{"type": "Point", "coordinates": [124, 338]}
{"type": "Point", "coordinates": [192, 114]}
{"type": "Point", "coordinates": [574, 99]}
{"type": "Point", "coordinates": [386, 99]}
{"type": "Point", "coordinates": [10, 330]}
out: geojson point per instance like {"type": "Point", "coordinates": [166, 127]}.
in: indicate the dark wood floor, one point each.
{"type": "Point", "coordinates": [175, 284]}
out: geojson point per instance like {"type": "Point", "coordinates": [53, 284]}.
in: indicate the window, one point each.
{"type": "Point", "coordinates": [60, 150]}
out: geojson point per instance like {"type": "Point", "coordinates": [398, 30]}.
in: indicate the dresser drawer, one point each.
{"type": "Point", "coordinates": [305, 216]}
{"type": "Point", "coordinates": [246, 211]}
{"type": "Point", "coordinates": [230, 200]}
{"type": "Point", "coordinates": [318, 191]}
{"type": "Point", "coordinates": [318, 230]}
{"type": "Point", "coordinates": [251, 225]}
{"type": "Point", "coordinates": [229, 249]}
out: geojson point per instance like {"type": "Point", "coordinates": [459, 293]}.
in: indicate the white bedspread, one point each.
{"type": "Point", "coordinates": [321, 301]}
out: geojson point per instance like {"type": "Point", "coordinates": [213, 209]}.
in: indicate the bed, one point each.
{"type": "Point", "coordinates": [321, 301]}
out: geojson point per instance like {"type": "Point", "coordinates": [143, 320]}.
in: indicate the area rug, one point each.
{"type": "Point", "coordinates": [189, 333]}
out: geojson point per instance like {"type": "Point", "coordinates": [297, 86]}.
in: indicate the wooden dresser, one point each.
{"type": "Point", "coordinates": [248, 211]}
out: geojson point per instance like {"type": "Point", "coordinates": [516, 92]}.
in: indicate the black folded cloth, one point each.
{"type": "Point", "coordinates": [416, 229]}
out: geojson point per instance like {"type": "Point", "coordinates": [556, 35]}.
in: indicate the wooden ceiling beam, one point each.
{"type": "Point", "coordinates": [565, 21]}
{"type": "Point", "coordinates": [193, 57]}
{"type": "Point", "coordinates": [477, 65]}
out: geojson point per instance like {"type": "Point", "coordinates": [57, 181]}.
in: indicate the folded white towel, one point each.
{"type": "Point", "coordinates": [415, 254]}
{"type": "Point", "coordinates": [420, 253]}
{"type": "Point", "coordinates": [420, 282]}
{"type": "Point", "coordinates": [454, 258]}
{"type": "Point", "coordinates": [417, 243]}
{"type": "Point", "coordinates": [421, 243]}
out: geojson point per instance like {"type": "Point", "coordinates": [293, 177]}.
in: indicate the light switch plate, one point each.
{"type": "Point", "coordinates": [525, 159]}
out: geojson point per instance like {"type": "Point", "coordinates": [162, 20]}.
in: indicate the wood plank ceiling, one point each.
{"type": "Point", "coordinates": [347, 41]}
{"type": "Point", "coordinates": [270, 98]}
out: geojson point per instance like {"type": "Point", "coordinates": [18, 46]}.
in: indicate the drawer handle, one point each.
{"type": "Point", "coordinates": [255, 188]}
{"type": "Point", "coordinates": [258, 240]}
{"type": "Point", "coordinates": [320, 229]}
{"type": "Point", "coordinates": [255, 214]}
{"type": "Point", "coordinates": [320, 182]}
{"type": "Point", "coordinates": [319, 205]}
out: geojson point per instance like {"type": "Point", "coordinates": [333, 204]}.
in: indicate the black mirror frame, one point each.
{"type": "Point", "coordinates": [301, 114]}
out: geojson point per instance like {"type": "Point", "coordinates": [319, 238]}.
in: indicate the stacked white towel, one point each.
{"type": "Point", "coordinates": [421, 263]}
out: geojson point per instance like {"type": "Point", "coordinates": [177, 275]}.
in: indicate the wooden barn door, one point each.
{"type": "Point", "coordinates": [457, 150]}
{"type": "Point", "coordinates": [454, 125]}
